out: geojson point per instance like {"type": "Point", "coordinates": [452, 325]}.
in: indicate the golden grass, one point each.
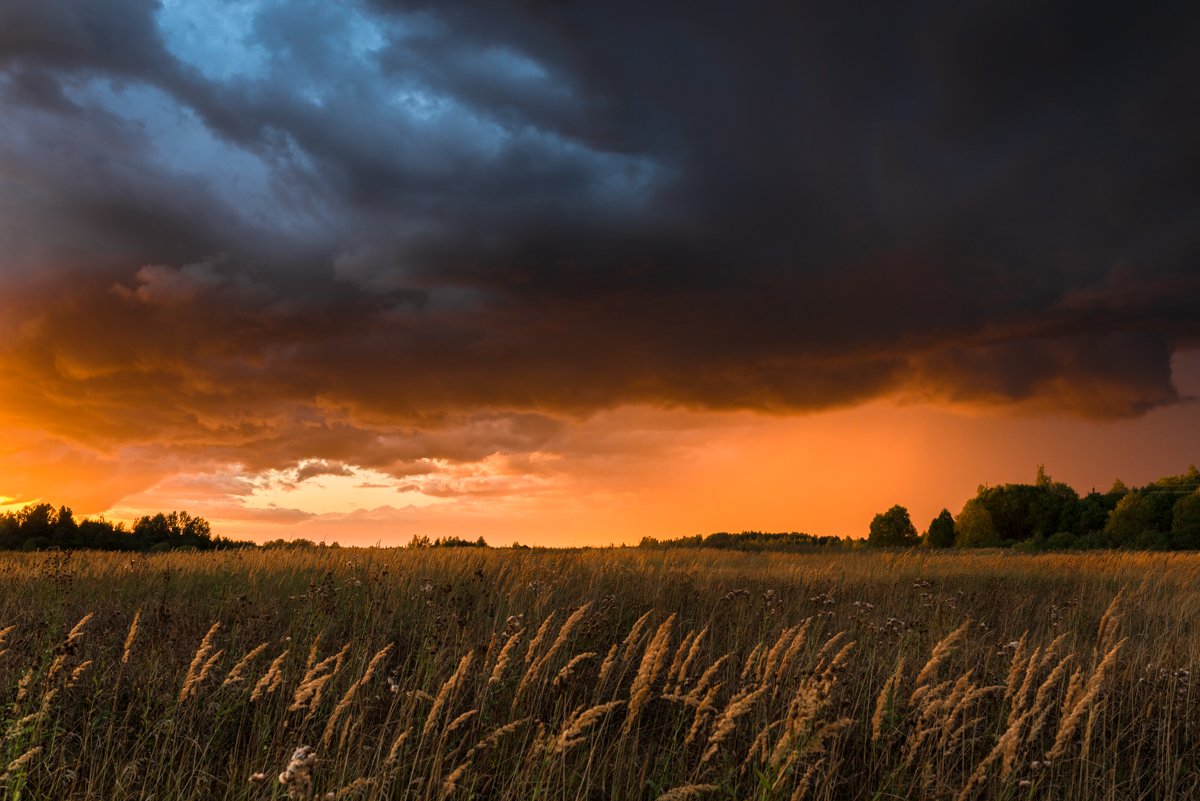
{"type": "Point", "coordinates": [381, 674]}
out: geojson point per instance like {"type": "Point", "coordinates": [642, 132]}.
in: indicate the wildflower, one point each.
{"type": "Point", "coordinates": [297, 777]}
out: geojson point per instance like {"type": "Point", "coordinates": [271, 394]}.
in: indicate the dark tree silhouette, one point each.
{"type": "Point", "coordinates": [1185, 522]}
{"type": "Point", "coordinates": [40, 526]}
{"type": "Point", "coordinates": [974, 527]}
{"type": "Point", "coordinates": [892, 528]}
{"type": "Point", "coordinates": [941, 531]}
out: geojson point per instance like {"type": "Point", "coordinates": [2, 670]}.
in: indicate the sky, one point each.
{"type": "Point", "coordinates": [579, 273]}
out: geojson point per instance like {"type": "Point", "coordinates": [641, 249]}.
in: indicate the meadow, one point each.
{"type": "Point", "coordinates": [607, 674]}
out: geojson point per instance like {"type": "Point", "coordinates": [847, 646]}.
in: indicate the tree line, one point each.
{"type": "Point", "coordinates": [1044, 515]}
{"type": "Point", "coordinates": [42, 526]}
{"type": "Point", "coordinates": [1049, 515]}
{"type": "Point", "coordinates": [749, 541]}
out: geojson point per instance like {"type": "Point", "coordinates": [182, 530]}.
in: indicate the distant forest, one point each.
{"type": "Point", "coordinates": [752, 541]}
{"type": "Point", "coordinates": [42, 526]}
{"type": "Point", "coordinates": [1044, 515]}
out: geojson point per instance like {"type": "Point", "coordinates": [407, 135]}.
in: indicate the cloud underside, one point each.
{"type": "Point", "coordinates": [384, 234]}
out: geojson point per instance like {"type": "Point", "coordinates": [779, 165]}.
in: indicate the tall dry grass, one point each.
{"type": "Point", "coordinates": [613, 674]}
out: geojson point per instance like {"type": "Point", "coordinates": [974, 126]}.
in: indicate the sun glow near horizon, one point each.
{"type": "Point", "coordinates": [634, 472]}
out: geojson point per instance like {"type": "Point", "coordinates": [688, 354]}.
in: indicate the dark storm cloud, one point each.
{"type": "Point", "coordinates": [328, 230]}
{"type": "Point", "coordinates": [321, 467]}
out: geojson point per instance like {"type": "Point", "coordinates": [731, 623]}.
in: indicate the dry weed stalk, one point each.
{"type": "Point", "coordinates": [308, 692]}
{"type": "Point", "coordinates": [394, 752]}
{"type": "Point", "coordinates": [1006, 745]}
{"type": "Point", "coordinates": [567, 673]}
{"type": "Point", "coordinates": [681, 652]}
{"type": "Point", "coordinates": [941, 652]}
{"type": "Point", "coordinates": [24, 684]}
{"type": "Point", "coordinates": [270, 680]}
{"type": "Point", "coordinates": [237, 675]}
{"type": "Point", "coordinates": [1016, 670]}
{"type": "Point", "coordinates": [802, 787]}
{"type": "Point", "coordinates": [885, 700]}
{"type": "Point", "coordinates": [77, 631]}
{"type": "Point", "coordinates": [1042, 704]}
{"type": "Point", "coordinates": [64, 651]}
{"type": "Point", "coordinates": [727, 721]}
{"type": "Point", "coordinates": [1021, 696]}
{"type": "Point", "coordinates": [536, 642]}
{"type": "Point", "coordinates": [838, 663]}
{"type": "Point", "coordinates": [130, 637]}
{"type": "Point", "coordinates": [200, 661]}
{"type": "Point", "coordinates": [496, 735]}
{"type": "Point", "coordinates": [1074, 687]}
{"type": "Point", "coordinates": [444, 694]}
{"type": "Point", "coordinates": [344, 704]}
{"type": "Point", "coordinates": [313, 650]}
{"type": "Point", "coordinates": [4, 636]}
{"type": "Point", "coordinates": [827, 647]}
{"type": "Point", "coordinates": [1050, 652]}
{"type": "Point", "coordinates": [21, 762]}
{"type": "Point", "coordinates": [775, 652]}
{"type": "Point", "coordinates": [606, 667]}
{"type": "Point", "coordinates": [685, 667]}
{"type": "Point", "coordinates": [956, 723]}
{"type": "Point", "coordinates": [652, 664]}
{"type": "Point", "coordinates": [708, 677]}
{"type": "Point", "coordinates": [77, 673]}
{"type": "Point", "coordinates": [538, 666]}
{"type": "Point", "coordinates": [505, 657]}
{"type": "Point", "coordinates": [1094, 713]}
{"type": "Point", "coordinates": [706, 709]}
{"type": "Point", "coordinates": [567, 628]}
{"type": "Point", "coordinates": [1070, 723]}
{"type": "Point", "coordinates": [451, 782]}
{"type": "Point", "coordinates": [459, 722]}
{"type": "Point", "coordinates": [750, 666]}
{"type": "Point", "coordinates": [576, 729]}
{"type": "Point", "coordinates": [354, 788]}
{"type": "Point", "coordinates": [798, 640]}
{"type": "Point", "coordinates": [636, 631]}
{"type": "Point", "coordinates": [758, 751]}
{"type": "Point", "coordinates": [1106, 631]}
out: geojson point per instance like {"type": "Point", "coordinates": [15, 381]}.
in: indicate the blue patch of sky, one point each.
{"type": "Point", "coordinates": [215, 37]}
{"type": "Point", "coordinates": [325, 55]}
{"type": "Point", "coordinates": [514, 65]}
{"type": "Point", "coordinates": [179, 144]}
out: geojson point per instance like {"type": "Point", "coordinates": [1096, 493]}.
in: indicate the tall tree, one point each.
{"type": "Point", "coordinates": [973, 528]}
{"type": "Point", "coordinates": [941, 531]}
{"type": "Point", "coordinates": [1185, 522]}
{"type": "Point", "coordinates": [893, 528]}
{"type": "Point", "coordinates": [1133, 523]}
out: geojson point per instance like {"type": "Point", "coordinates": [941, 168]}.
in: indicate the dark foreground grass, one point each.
{"type": "Point", "coordinates": [614, 674]}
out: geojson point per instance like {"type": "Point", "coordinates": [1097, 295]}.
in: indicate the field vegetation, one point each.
{"type": "Point", "coordinates": [610, 674]}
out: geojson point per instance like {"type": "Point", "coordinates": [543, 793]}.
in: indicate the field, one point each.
{"type": "Point", "coordinates": [611, 674]}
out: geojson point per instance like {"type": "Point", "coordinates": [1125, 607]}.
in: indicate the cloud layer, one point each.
{"type": "Point", "coordinates": [306, 235]}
